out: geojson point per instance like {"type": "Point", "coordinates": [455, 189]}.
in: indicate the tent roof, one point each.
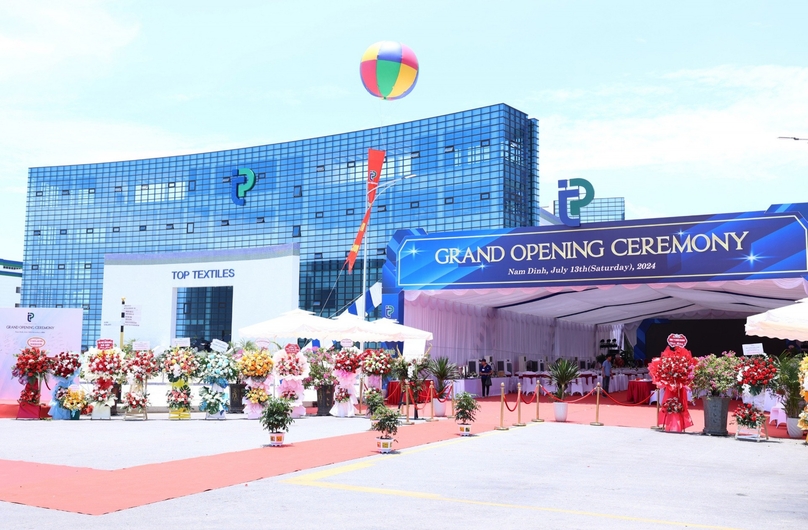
{"type": "Point", "coordinates": [787, 322]}
{"type": "Point", "coordinates": [624, 304]}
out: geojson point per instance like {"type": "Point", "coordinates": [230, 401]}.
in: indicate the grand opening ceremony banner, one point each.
{"type": "Point", "coordinates": [718, 247]}
{"type": "Point", "coordinates": [51, 329]}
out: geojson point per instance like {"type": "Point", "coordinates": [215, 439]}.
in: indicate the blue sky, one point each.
{"type": "Point", "coordinates": [675, 106]}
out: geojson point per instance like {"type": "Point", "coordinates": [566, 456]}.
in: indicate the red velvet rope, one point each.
{"type": "Point", "coordinates": [528, 401]}
{"type": "Point", "coordinates": [446, 392]}
{"type": "Point", "coordinates": [627, 404]}
{"type": "Point", "coordinates": [413, 402]}
{"type": "Point", "coordinates": [561, 400]}
{"type": "Point", "coordinates": [505, 400]}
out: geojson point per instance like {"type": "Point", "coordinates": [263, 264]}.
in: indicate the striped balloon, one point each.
{"type": "Point", "coordinates": [389, 70]}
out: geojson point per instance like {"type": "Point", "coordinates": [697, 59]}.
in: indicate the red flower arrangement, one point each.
{"type": "Point", "coordinates": [291, 395]}
{"type": "Point", "coordinates": [102, 392]}
{"type": "Point", "coordinates": [347, 359]}
{"type": "Point", "coordinates": [342, 395]}
{"type": "Point", "coordinates": [105, 363]}
{"type": "Point", "coordinates": [287, 364]}
{"type": "Point", "coordinates": [675, 369]}
{"type": "Point", "coordinates": [179, 398]}
{"type": "Point", "coordinates": [747, 415]}
{"type": "Point", "coordinates": [757, 373]}
{"type": "Point", "coordinates": [141, 365]}
{"type": "Point", "coordinates": [673, 405]}
{"type": "Point", "coordinates": [376, 362]}
{"type": "Point", "coordinates": [179, 364]}
{"type": "Point", "coordinates": [136, 401]}
{"type": "Point", "coordinates": [65, 364]}
{"type": "Point", "coordinates": [31, 364]}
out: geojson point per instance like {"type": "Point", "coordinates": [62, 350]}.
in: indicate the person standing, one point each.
{"type": "Point", "coordinates": [485, 377]}
{"type": "Point", "coordinates": [606, 372]}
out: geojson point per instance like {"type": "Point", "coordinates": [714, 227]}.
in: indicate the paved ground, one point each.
{"type": "Point", "coordinates": [545, 475]}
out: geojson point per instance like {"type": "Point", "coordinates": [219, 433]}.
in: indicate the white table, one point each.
{"type": "Point", "coordinates": [474, 386]}
{"type": "Point", "coordinates": [766, 400]}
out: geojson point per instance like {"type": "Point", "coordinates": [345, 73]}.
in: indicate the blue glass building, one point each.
{"type": "Point", "coordinates": [476, 169]}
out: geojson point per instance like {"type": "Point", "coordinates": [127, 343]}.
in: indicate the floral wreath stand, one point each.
{"type": "Point", "coordinates": [182, 413]}
{"type": "Point", "coordinates": [139, 414]}
{"type": "Point", "coordinates": [32, 411]}
{"type": "Point", "coordinates": [750, 433]}
{"type": "Point", "coordinates": [218, 389]}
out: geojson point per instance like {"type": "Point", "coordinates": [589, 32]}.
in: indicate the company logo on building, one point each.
{"type": "Point", "coordinates": [243, 180]}
{"type": "Point", "coordinates": [569, 193]}
{"type": "Point", "coordinates": [30, 317]}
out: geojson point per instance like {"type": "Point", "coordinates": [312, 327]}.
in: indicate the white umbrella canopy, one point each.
{"type": "Point", "coordinates": [296, 323]}
{"type": "Point", "coordinates": [788, 322]}
{"type": "Point", "coordinates": [396, 332]}
{"type": "Point", "coordinates": [349, 326]}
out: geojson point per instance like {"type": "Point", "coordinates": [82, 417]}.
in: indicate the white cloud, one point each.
{"type": "Point", "coordinates": [719, 124]}
{"type": "Point", "coordinates": [38, 36]}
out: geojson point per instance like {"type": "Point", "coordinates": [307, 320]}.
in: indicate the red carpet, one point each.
{"type": "Point", "coordinates": [95, 492]}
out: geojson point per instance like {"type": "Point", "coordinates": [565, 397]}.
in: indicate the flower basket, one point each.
{"type": "Point", "coordinates": [179, 400]}
{"type": "Point", "coordinates": [749, 420]}
{"type": "Point", "coordinates": [29, 411]}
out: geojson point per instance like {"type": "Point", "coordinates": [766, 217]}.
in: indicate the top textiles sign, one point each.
{"type": "Point", "coordinates": [690, 249]}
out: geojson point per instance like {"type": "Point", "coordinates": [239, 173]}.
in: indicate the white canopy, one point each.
{"type": "Point", "coordinates": [296, 323]}
{"type": "Point", "coordinates": [788, 322]}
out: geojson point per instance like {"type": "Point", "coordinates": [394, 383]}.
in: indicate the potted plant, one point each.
{"type": "Point", "coordinates": [373, 400]}
{"type": "Point", "coordinates": [276, 418]}
{"type": "Point", "coordinates": [385, 422]}
{"type": "Point", "coordinates": [321, 377]}
{"type": "Point", "coordinates": [443, 371]}
{"type": "Point", "coordinates": [562, 373]}
{"type": "Point", "coordinates": [466, 408]}
{"type": "Point", "coordinates": [713, 378]}
{"type": "Point", "coordinates": [790, 387]}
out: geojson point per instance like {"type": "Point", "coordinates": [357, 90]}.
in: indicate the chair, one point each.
{"type": "Point", "coordinates": [577, 387]}
{"type": "Point", "coordinates": [778, 414]}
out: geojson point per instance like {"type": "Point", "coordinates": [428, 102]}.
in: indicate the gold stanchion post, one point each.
{"type": "Point", "coordinates": [518, 406]}
{"type": "Point", "coordinates": [431, 404]}
{"type": "Point", "coordinates": [657, 427]}
{"type": "Point", "coordinates": [361, 392]}
{"type": "Point", "coordinates": [502, 408]}
{"type": "Point", "coordinates": [537, 419]}
{"type": "Point", "coordinates": [597, 422]}
{"type": "Point", "coordinates": [406, 421]}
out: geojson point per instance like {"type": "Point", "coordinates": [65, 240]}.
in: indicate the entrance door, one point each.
{"type": "Point", "coordinates": [204, 314]}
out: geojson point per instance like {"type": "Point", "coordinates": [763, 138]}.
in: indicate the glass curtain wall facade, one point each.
{"type": "Point", "coordinates": [600, 210]}
{"type": "Point", "coordinates": [476, 169]}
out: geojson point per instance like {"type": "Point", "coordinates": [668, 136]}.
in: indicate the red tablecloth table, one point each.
{"type": "Point", "coordinates": [394, 392]}
{"type": "Point", "coordinates": [639, 390]}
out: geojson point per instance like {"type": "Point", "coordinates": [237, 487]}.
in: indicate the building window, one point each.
{"type": "Point", "coordinates": [17, 290]}
{"type": "Point", "coordinates": [318, 215]}
{"type": "Point", "coordinates": [34, 267]}
{"type": "Point", "coordinates": [415, 204]}
{"type": "Point", "coordinates": [91, 191]}
{"type": "Point", "coordinates": [296, 231]}
{"type": "Point", "coordinates": [448, 200]}
{"type": "Point", "coordinates": [259, 220]}
{"type": "Point", "coordinates": [191, 185]}
{"type": "Point", "coordinates": [142, 228]}
{"type": "Point", "coordinates": [38, 194]}
{"type": "Point", "coordinates": [485, 196]}
{"type": "Point", "coordinates": [189, 228]}
{"type": "Point", "coordinates": [225, 222]}
{"type": "Point", "coordinates": [381, 251]}
{"type": "Point", "coordinates": [116, 228]}
{"type": "Point", "coordinates": [381, 208]}
{"type": "Point", "coordinates": [65, 192]}
{"type": "Point", "coordinates": [352, 164]}
{"type": "Point", "coordinates": [485, 143]}
{"type": "Point", "coordinates": [347, 252]}
{"type": "Point", "coordinates": [320, 168]}
{"type": "Point", "coordinates": [298, 191]}
{"type": "Point", "coordinates": [317, 255]}
{"type": "Point", "coordinates": [37, 232]}
{"type": "Point", "coordinates": [61, 266]}
{"type": "Point", "coordinates": [260, 176]}
{"type": "Point", "coordinates": [62, 231]}
{"type": "Point", "coordinates": [60, 305]}
{"type": "Point", "coordinates": [88, 265]}
{"type": "Point", "coordinates": [349, 211]}
{"type": "Point", "coordinates": [415, 154]}
{"type": "Point", "coordinates": [169, 226]}
{"type": "Point", "coordinates": [172, 184]}
{"type": "Point", "coordinates": [225, 180]}
{"type": "Point", "coordinates": [90, 230]}
{"type": "Point", "coordinates": [144, 186]}
{"type": "Point", "coordinates": [86, 307]}
{"type": "Point", "coordinates": [448, 149]}
{"type": "Point", "coordinates": [118, 189]}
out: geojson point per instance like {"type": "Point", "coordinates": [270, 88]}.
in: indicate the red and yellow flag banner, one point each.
{"type": "Point", "coordinates": [375, 162]}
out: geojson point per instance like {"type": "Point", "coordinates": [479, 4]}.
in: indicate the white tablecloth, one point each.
{"type": "Point", "coordinates": [765, 400]}
{"type": "Point", "coordinates": [474, 386]}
